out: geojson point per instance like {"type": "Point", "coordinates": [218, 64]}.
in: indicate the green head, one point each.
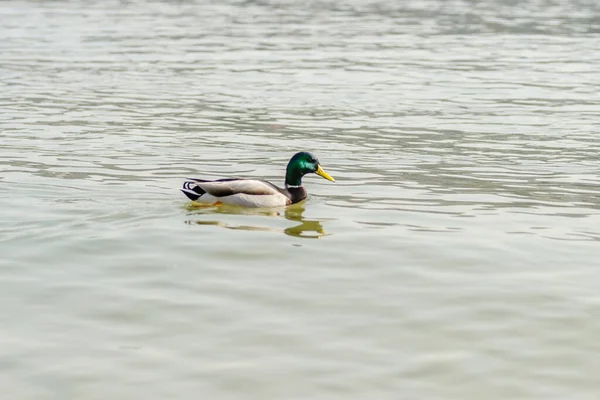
{"type": "Point", "coordinates": [301, 164]}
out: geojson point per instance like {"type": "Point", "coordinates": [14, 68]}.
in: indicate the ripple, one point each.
{"type": "Point", "coordinates": [458, 250]}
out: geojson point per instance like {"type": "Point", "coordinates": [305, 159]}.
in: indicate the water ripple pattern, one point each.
{"type": "Point", "coordinates": [456, 257]}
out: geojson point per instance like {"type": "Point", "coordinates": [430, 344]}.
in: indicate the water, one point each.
{"type": "Point", "coordinates": [456, 257]}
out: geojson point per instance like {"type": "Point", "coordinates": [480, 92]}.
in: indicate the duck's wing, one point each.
{"type": "Point", "coordinates": [228, 187]}
{"type": "Point", "coordinates": [243, 192]}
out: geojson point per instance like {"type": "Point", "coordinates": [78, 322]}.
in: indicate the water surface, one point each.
{"type": "Point", "coordinates": [456, 257]}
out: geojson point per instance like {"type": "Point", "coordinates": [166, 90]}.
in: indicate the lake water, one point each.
{"type": "Point", "coordinates": [456, 257]}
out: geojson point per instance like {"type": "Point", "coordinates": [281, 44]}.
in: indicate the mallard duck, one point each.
{"type": "Point", "coordinates": [254, 192]}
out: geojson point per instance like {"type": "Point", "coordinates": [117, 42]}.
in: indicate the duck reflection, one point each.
{"type": "Point", "coordinates": [306, 228]}
{"type": "Point", "coordinates": [303, 228]}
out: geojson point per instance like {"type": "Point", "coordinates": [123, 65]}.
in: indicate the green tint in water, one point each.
{"type": "Point", "coordinates": [458, 251]}
{"type": "Point", "coordinates": [302, 227]}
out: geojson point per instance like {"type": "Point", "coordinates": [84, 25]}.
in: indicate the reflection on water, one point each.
{"type": "Point", "coordinates": [305, 228]}
{"type": "Point", "coordinates": [461, 255]}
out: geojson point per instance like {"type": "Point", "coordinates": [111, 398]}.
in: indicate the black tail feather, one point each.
{"type": "Point", "coordinates": [192, 191]}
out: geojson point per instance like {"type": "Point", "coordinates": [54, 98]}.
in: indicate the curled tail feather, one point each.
{"type": "Point", "coordinates": [192, 190]}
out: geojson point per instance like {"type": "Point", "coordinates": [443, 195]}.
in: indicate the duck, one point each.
{"type": "Point", "coordinates": [255, 192]}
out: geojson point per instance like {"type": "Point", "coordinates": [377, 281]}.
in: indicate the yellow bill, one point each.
{"type": "Point", "coordinates": [324, 174]}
